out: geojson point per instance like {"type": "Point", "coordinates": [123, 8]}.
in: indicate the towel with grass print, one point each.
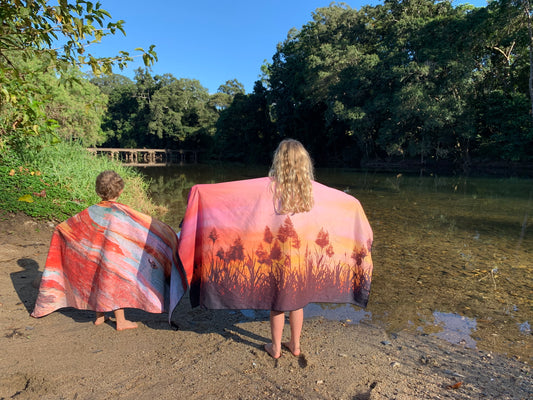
{"type": "Point", "coordinates": [240, 254]}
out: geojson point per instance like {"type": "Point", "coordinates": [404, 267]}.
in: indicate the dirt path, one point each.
{"type": "Point", "coordinates": [218, 354]}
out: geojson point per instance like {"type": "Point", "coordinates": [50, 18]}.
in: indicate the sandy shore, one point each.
{"type": "Point", "coordinates": [219, 354]}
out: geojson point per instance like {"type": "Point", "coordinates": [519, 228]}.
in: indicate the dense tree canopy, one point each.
{"type": "Point", "coordinates": [161, 111]}
{"type": "Point", "coordinates": [179, 110]}
{"type": "Point", "coordinates": [406, 79]}
{"type": "Point", "coordinates": [411, 80]}
{"type": "Point", "coordinates": [244, 131]}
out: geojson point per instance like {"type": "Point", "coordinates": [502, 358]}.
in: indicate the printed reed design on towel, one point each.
{"type": "Point", "coordinates": [283, 268]}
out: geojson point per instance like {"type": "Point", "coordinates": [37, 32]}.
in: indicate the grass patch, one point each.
{"type": "Point", "coordinates": [59, 181]}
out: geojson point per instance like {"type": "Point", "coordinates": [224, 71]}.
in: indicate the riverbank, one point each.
{"type": "Point", "coordinates": [219, 354]}
{"type": "Point", "coordinates": [475, 168]}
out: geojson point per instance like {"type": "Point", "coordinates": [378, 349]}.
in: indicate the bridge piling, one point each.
{"type": "Point", "coordinates": [148, 157]}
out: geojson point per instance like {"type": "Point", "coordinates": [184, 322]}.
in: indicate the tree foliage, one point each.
{"type": "Point", "coordinates": [159, 111]}
{"type": "Point", "coordinates": [78, 108]}
{"type": "Point", "coordinates": [179, 110]}
{"type": "Point", "coordinates": [244, 129]}
{"type": "Point", "coordinates": [404, 80]}
{"type": "Point", "coordinates": [58, 36]}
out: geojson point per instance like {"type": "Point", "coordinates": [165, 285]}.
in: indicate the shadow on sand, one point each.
{"type": "Point", "coordinates": [184, 318]}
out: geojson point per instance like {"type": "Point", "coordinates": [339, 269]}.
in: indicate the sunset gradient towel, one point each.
{"type": "Point", "coordinates": [110, 256]}
{"type": "Point", "coordinates": [242, 255]}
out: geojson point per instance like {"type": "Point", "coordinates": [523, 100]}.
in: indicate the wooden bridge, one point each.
{"type": "Point", "coordinates": [148, 157]}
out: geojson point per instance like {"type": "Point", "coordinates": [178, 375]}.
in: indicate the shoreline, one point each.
{"type": "Point", "coordinates": [477, 169]}
{"type": "Point", "coordinates": [219, 354]}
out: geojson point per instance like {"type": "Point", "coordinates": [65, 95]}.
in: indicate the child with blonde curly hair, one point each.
{"type": "Point", "coordinates": [292, 176]}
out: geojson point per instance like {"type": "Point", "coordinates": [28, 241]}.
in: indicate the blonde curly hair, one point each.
{"type": "Point", "coordinates": [292, 175]}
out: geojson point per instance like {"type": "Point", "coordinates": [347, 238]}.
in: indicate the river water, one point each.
{"type": "Point", "coordinates": [453, 256]}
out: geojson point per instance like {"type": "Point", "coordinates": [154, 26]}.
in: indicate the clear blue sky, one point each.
{"type": "Point", "coordinates": [212, 41]}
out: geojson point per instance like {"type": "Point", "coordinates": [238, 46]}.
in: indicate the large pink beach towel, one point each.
{"type": "Point", "coordinates": [242, 255]}
{"type": "Point", "coordinates": [110, 256]}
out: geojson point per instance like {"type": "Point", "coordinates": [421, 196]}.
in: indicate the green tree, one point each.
{"type": "Point", "coordinates": [231, 88]}
{"type": "Point", "coordinates": [77, 106]}
{"type": "Point", "coordinates": [504, 128]}
{"type": "Point", "coordinates": [120, 120]}
{"type": "Point", "coordinates": [404, 80]}
{"type": "Point", "coordinates": [225, 94]}
{"type": "Point", "coordinates": [244, 131]}
{"type": "Point", "coordinates": [108, 83]}
{"type": "Point", "coordinates": [180, 112]}
{"type": "Point", "coordinates": [31, 30]}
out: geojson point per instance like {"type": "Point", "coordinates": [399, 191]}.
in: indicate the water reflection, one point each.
{"type": "Point", "coordinates": [339, 312]}
{"type": "Point", "coordinates": [455, 328]}
{"type": "Point", "coordinates": [448, 251]}
{"type": "Point", "coordinates": [525, 328]}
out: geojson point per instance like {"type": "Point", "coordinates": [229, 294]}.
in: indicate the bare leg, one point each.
{"type": "Point", "coordinates": [296, 321]}
{"type": "Point", "coordinates": [122, 322]}
{"type": "Point", "coordinates": [277, 321]}
{"type": "Point", "coordinates": [100, 318]}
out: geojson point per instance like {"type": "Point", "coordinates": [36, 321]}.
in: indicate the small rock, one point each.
{"type": "Point", "coordinates": [425, 359]}
{"type": "Point", "coordinates": [395, 364]}
{"type": "Point", "coordinates": [385, 342]}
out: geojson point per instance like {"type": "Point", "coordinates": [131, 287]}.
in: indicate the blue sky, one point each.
{"type": "Point", "coordinates": [212, 41]}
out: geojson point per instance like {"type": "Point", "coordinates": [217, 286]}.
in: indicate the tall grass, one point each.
{"type": "Point", "coordinates": [58, 181]}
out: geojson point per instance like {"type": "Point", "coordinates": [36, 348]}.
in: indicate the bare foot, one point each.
{"type": "Point", "coordinates": [122, 322]}
{"type": "Point", "coordinates": [123, 325]}
{"type": "Point", "coordinates": [100, 319]}
{"type": "Point", "coordinates": [295, 351]}
{"type": "Point", "coordinates": [269, 348]}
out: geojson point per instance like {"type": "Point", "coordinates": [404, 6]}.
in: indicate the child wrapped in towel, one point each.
{"type": "Point", "coordinates": [276, 243]}
{"type": "Point", "coordinates": [110, 257]}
